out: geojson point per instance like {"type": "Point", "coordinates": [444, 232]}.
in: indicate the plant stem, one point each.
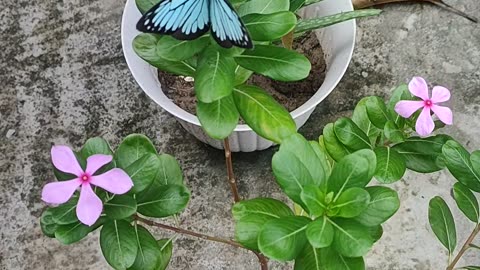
{"type": "Point", "coordinates": [231, 176]}
{"type": "Point", "coordinates": [261, 258]}
{"type": "Point", "coordinates": [465, 247]}
{"type": "Point", "coordinates": [359, 4]}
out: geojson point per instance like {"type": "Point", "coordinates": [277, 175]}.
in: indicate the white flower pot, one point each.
{"type": "Point", "coordinates": [337, 42]}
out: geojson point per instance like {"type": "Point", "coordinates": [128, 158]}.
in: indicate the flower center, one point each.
{"type": "Point", "coordinates": [85, 178]}
{"type": "Point", "coordinates": [428, 103]}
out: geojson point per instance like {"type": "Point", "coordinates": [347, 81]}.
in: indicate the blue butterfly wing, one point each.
{"type": "Point", "coordinates": [183, 19]}
{"type": "Point", "coordinates": [226, 27]}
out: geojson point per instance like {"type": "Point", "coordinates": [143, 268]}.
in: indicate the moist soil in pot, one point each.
{"type": "Point", "coordinates": [290, 94]}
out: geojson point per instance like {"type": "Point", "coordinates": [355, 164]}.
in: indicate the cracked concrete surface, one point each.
{"type": "Point", "coordinates": [63, 79]}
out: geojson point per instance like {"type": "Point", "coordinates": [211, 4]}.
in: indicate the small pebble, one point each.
{"type": "Point", "coordinates": [365, 74]}
{"type": "Point", "coordinates": [189, 79]}
{"type": "Point", "coordinates": [10, 133]}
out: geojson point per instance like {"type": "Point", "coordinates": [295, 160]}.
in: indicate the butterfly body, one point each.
{"type": "Point", "coordinates": [190, 19]}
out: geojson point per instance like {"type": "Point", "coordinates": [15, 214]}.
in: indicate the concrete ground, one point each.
{"type": "Point", "coordinates": [63, 79]}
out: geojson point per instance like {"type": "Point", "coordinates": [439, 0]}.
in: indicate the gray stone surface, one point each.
{"type": "Point", "coordinates": [63, 79]}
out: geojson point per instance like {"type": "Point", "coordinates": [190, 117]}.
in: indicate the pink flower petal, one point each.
{"type": "Point", "coordinates": [59, 192]}
{"type": "Point", "coordinates": [115, 181]}
{"type": "Point", "coordinates": [89, 207]}
{"type": "Point", "coordinates": [418, 87]}
{"type": "Point", "coordinates": [424, 125]}
{"type": "Point", "coordinates": [443, 113]}
{"type": "Point", "coordinates": [64, 159]}
{"type": "Point", "coordinates": [440, 94]}
{"type": "Point", "coordinates": [97, 161]}
{"type": "Point", "coordinates": [406, 108]}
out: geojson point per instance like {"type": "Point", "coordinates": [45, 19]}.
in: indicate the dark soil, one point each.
{"type": "Point", "coordinates": [291, 95]}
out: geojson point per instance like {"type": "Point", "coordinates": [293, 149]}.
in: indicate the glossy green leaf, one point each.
{"type": "Point", "coordinates": [169, 172]}
{"type": "Point", "coordinates": [47, 225]}
{"type": "Point", "coordinates": [325, 161]}
{"type": "Point", "coordinates": [242, 75]}
{"type": "Point", "coordinates": [94, 146]}
{"type": "Point", "coordinates": [268, 27]}
{"type": "Point", "coordinates": [143, 171]}
{"type": "Point", "coordinates": [295, 165]}
{"type": "Point", "coordinates": [215, 76]}
{"type": "Point", "coordinates": [263, 7]}
{"type": "Point", "coordinates": [314, 199]}
{"type": "Point", "coordinates": [148, 254]}
{"type": "Point", "coordinates": [275, 62]}
{"type": "Point", "coordinates": [352, 239]}
{"type": "Point", "coordinates": [316, 23]}
{"type": "Point", "coordinates": [251, 215]}
{"type": "Point", "coordinates": [284, 238]}
{"type": "Point", "coordinates": [66, 213]}
{"type": "Point", "coordinates": [442, 223]}
{"type": "Point", "coordinates": [71, 233]}
{"type": "Point", "coordinates": [145, 5]}
{"type": "Point", "coordinates": [351, 202]}
{"type": "Point", "coordinates": [320, 233]}
{"type": "Point", "coordinates": [360, 117]}
{"type": "Point", "coordinates": [218, 118]}
{"type": "Point", "coordinates": [377, 111]}
{"type": "Point", "coordinates": [118, 243]}
{"type": "Point", "coordinates": [326, 259]}
{"type": "Point", "coordinates": [392, 133]}
{"type": "Point", "coordinates": [172, 49]}
{"type": "Point", "coordinates": [163, 201]}
{"type": "Point", "coordinates": [145, 46]}
{"type": "Point", "coordinates": [470, 267]}
{"type": "Point", "coordinates": [120, 207]}
{"type": "Point", "coordinates": [384, 202]}
{"type": "Point", "coordinates": [376, 232]}
{"type": "Point", "coordinates": [296, 5]}
{"type": "Point", "coordinates": [423, 154]}
{"type": "Point", "coordinates": [166, 248]}
{"type": "Point", "coordinates": [391, 165]}
{"type": "Point", "coordinates": [350, 135]}
{"type": "Point", "coordinates": [334, 147]}
{"type": "Point", "coordinates": [263, 114]}
{"type": "Point", "coordinates": [354, 170]}
{"type": "Point", "coordinates": [460, 164]}
{"type": "Point", "coordinates": [466, 201]}
{"type": "Point", "coordinates": [132, 148]}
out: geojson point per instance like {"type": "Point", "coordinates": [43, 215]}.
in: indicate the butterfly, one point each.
{"type": "Point", "coordinates": [190, 19]}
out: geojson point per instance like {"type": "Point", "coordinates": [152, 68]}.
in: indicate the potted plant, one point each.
{"type": "Point", "coordinates": [220, 101]}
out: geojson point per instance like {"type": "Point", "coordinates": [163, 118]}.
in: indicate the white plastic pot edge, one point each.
{"type": "Point", "coordinates": [337, 42]}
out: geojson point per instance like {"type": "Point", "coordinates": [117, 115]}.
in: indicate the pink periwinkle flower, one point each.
{"type": "Point", "coordinates": [419, 88]}
{"type": "Point", "coordinates": [89, 207]}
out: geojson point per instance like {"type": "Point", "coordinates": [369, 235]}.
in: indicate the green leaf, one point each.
{"type": "Point", "coordinates": [172, 49]}
{"type": "Point", "coordinates": [316, 23]}
{"type": "Point", "coordinates": [320, 233]}
{"type": "Point", "coordinates": [323, 157]}
{"type": "Point", "coordinates": [466, 202]}
{"type": "Point", "coordinates": [65, 213]}
{"type": "Point", "coordinates": [349, 134]}
{"type": "Point", "coordinates": [391, 165]}
{"type": "Point", "coordinates": [47, 224]}
{"type": "Point", "coordinates": [143, 171]}
{"type": "Point", "coordinates": [384, 202]}
{"type": "Point", "coordinates": [169, 172]}
{"type": "Point", "coordinates": [326, 259]}
{"type": "Point", "coordinates": [268, 27]}
{"type": "Point", "coordinates": [218, 118]}
{"type": "Point", "coordinates": [334, 147]}
{"type": "Point", "coordinates": [263, 7]}
{"type": "Point", "coordinates": [351, 202]}
{"type": "Point", "coordinates": [442, 223]}
{"type": "Point", "coordinates": [145, 5]}
{"type": "Point", "coordinates": [460, 164]}
{"type": "Point", "coordinates": [393, 133]}
{"type": "Point", "coordinates": [241, 75]}
{"type": "Point", "coordinates": [314, 199]}
{"type": "Point", "coordinates": [377, 111]}
{"type": "Point", "coordinates": [132, 148]}
{"type": "Point", "coordinates": [148, 254]}
{"type": "Point", "coordinates": [354, 170]}
{"type": "Point", "coordinates": [163, 201]}
{"type": "Point", "coordinates": [145, 46]}
{"type": "Point", "coordinates": [71, 233]}
{"type": "Point", "coordinates": [94, 146]}
{"type": "Point", "coordinates": [295, 165]}
{"type": "Point", "coordinates": [376, 232]}
{"type": "Point", "coordinates": [251, 215]}
{"type": "Point", "coordinates": [296, 5]}
{"type": "Point", "coordinates": [352, 239]}
{"type": "Point", "coordinates": [284, 238]}
{"type": "Point", "coordinates": [120, 207]}
{"type": "Point", "coordinates": [360, 117]}
{"type": "Point", "coordinates": [470, 267]}
{"type": "Point", "coordinates": [423, 154]}
{"type": "Point", "coordinates": [118, 243]}
{"type": "Point", "coordinates": [166, 248]}
{"type": "Point", "coordinates": [215, 75]}
{"type": "Point", "coordinates": [275, 62]}
{"type": "Point", "coordinates": [263, 114]}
